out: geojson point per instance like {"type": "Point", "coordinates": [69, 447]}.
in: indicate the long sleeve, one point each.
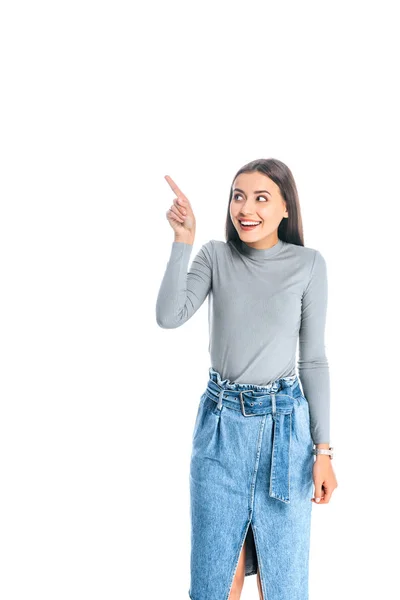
{"type": "Point", "coordinates": [313, 364]}
{"type": "Point", "coordinates": [182, 292]}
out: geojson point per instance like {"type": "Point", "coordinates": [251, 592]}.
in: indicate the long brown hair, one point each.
{"type": "Point", "coordinates": [291, 228]}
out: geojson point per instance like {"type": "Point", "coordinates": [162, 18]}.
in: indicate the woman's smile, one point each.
{"type": "Point", "coordinates": [248, 224]}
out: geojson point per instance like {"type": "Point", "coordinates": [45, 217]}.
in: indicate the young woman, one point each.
{"type": "Point", "coordinates": [261, 439]}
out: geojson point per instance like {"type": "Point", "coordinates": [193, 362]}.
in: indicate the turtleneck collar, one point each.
{"type": "Point", "coordinates": [261, 254]}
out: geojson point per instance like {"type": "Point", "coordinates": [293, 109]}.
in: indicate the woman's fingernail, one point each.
{"type": "Point", "coordinates": [317, 499]}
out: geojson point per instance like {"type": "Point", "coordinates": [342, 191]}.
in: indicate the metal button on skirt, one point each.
{"type": "Point", "coordinates": [251, 483]}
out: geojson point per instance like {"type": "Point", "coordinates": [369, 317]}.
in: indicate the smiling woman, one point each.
{"type": "Point", "coordinates": [251, 478]}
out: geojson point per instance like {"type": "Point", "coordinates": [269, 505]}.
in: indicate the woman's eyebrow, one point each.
{"type": "Point", "coordinates": [256, 192]}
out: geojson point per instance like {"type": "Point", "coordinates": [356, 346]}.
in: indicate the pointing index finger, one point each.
{"type": "Point", "coordinates": [174, 187]}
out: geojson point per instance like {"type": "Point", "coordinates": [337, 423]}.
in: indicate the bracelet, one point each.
{"type": "Point", "coordinates": [317, 451]}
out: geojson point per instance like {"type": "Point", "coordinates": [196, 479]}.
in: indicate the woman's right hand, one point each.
{"type": "Point", "coordinates": [180, 216]}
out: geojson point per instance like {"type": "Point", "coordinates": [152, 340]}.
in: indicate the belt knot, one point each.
{"type": "Point", "coordinates": [279, 485]}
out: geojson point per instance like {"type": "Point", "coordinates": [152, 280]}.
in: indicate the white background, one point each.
{"type": "Point", "coordinates": [100, 100]}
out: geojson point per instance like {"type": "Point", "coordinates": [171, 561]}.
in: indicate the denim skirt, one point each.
{"type": "Point", "coordinates": [251, 483]}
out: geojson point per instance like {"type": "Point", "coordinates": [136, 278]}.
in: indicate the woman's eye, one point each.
{"type": "Point", "coordinates": [235, 196]}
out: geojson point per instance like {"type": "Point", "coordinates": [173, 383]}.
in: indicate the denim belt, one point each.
{"type": "Point", "coordinates": [280, 406]}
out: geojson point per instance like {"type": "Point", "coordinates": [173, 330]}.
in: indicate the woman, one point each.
{"type": "Point", "coordinates": [252, 466]}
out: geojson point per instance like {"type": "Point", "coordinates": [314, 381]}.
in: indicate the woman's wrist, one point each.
{"type": "Point", "coordinates": [323, 451]}
{"type": "Point", "coordinates": [322, 457]}
{"type": "Point", "coordinates": [183, 240]}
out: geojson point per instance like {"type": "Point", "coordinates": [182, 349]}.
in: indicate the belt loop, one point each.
{"type": "Point", "coordinates": [219, 405]}
{"type": "Point", "coordinates": [273, 400]}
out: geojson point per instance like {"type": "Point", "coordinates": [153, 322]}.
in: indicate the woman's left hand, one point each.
{"type": "Point", "coordinates": [324, 479]}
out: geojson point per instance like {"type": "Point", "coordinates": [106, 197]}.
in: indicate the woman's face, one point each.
{"type": "Point", "coordinates": [256, 198]}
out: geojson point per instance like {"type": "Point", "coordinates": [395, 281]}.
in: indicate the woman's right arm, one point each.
{"type": "Point", "coordinates": [183, 291]}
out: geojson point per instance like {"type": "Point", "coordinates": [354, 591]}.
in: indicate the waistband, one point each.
{"type": "Point", "coordinates": [277, 398]}
{"type": "Point", "coordinates": [275, 386]}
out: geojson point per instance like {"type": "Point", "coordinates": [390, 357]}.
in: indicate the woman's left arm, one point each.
{"type": "Point", "coordinates": [314, 374]}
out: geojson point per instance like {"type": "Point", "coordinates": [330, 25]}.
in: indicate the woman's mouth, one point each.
{"type": "Point", "coordinates": [248, 225]}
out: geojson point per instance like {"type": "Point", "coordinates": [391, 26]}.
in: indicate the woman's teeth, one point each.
{"type": "Point", "coordinates": [247, 225]}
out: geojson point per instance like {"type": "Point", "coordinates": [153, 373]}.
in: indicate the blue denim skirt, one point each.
{"type": "Point", "coordinates": [251, 483]}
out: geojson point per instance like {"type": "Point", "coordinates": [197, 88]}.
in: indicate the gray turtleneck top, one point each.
{"type": "Point", "coordinates": [260, 303]}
